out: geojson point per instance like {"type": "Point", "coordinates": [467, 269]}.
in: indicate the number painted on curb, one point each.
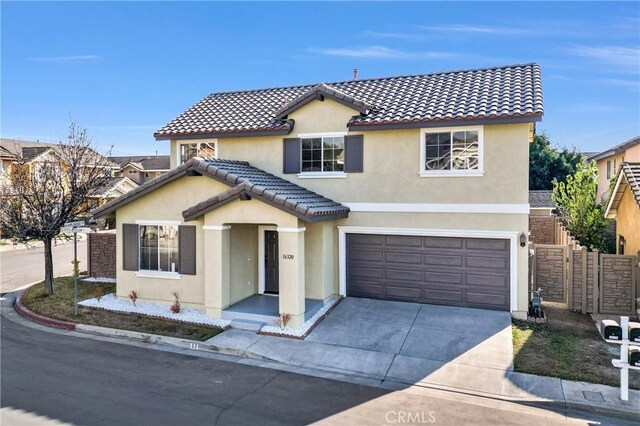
{"type": "Point", "coordinates": [193, 346]}
{"type": "Point", "coordinates": [287, 256]}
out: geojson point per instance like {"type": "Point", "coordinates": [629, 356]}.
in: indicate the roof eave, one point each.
{"type": "Point", "coordinates": [234, 134]}
{"type": "Point", "coordinates": [445, 123]}
{"type": "Point", "coordinates": [297, 104]}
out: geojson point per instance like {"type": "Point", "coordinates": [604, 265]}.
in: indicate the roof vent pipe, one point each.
{"type": "Point", "coordinates": [355, 73]}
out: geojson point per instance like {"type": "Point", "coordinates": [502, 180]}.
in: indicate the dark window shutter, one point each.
{"type": "Point", "coordinates": [187, 249]}
{"type": "Point", "coordinates": [291, 160]}
{"type": "Point", "coordinates": [130, 247]}
{"type": "Point", "coordinates": [353, 154]}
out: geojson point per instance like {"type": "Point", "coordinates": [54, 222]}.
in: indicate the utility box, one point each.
{"type": "Point", "coordinates": [634, 332]}
{"type": "Point", "coordinates": [610, 330]}
{"type": "Point", "coordinates": [634, 356]}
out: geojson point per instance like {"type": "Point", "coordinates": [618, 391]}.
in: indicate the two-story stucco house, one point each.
{"type": "Point", "coordinates": [609, 162]}
{"type": "Point", "coordinates": [410, 188]}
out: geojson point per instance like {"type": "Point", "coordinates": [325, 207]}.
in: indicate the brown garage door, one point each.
{"type": "Point", "coordinates": [470, 272]}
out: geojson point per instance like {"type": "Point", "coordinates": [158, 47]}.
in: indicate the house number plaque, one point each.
{"type": "Point", "coordinates": [288, 256]}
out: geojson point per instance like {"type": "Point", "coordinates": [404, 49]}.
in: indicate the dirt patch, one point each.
{"type": "Point", "coordinates": [60, 306]}
{"type": "Point", "coordinates": [568, 346]}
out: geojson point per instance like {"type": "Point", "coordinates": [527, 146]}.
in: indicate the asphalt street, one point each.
{"type": "Point", "coordinates": [24, 266]}
{"type": "Point", "coordinates": [54, 377]}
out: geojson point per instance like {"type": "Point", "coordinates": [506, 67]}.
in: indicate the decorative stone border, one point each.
{"type": "Point", "coordinates": [292, 333]}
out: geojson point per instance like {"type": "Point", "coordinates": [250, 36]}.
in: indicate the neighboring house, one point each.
{"type": "Point", "coordinates": [624, 207]}
{"type": "Point", "coordinates": [609, 161]}
{"type": "Point", "coordinates": [410, 188]}
{"type": "Point", "coordinates": [35, 154]}
{"type": "Point", "coordinates": [142, 168]}
{"type": "Point", "coordinates": [541, 203]}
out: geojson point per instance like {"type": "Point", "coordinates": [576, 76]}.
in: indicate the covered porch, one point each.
{"type": "Point", "coordinates": [265, 308]}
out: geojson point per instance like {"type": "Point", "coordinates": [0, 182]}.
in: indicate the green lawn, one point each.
{"type": "Point", "coordinates": [568, 347]}
{"type": "Point", "coordinates": [60, 306]}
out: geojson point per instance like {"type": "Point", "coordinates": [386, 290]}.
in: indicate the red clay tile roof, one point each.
{"type": "Point", "coordinates": [509, 93]}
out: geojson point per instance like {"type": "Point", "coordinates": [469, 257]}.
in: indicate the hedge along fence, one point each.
{"type": "Point", "coordinates": [589, 282]}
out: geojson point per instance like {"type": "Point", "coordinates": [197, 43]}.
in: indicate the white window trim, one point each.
{"type": "Point", "coordinates": [451, 173]}
{"type": "Point", "coordinates": [192, 141]}
{"type": "Point", "coordinates": [158, 222]}
{"type": "Point", "coordinates": [320, 175]}
{"type": "Point", "coordinates": [158, 274]}
{"type": "Point", "coordinates": [261, 254]}
{"type": "Point", "coordinates": [512, 236]}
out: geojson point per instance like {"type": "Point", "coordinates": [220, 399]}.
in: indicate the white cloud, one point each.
{"type": "Point", "coordinates": [480, 29]}
{"type": "Point", "coordinates": [620, 56]}
{"type": "Point", "coordinates": [379, 52]}
{"type": "Point", "coordinates": [74, 58]}
{"type": "Point", "coordinates": [394, 35]}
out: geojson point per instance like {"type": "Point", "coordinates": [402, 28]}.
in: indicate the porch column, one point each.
{"type": "Point", "coordinates": [291, 274]}
{"type": "Point", "coordinates": [216, 269]}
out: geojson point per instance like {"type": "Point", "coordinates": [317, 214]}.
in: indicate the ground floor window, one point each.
{"type": "Point", "coordinates": [159, 248]}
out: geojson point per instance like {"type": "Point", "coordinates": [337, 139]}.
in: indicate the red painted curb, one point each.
{"type": "Point", "coordinates": [22, 310]}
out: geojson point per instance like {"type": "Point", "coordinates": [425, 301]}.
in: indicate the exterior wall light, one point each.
{"type": "Point", "coordinates": [523, 239]}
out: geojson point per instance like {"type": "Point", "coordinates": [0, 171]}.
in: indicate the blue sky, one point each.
{"type": "Point", "coordinates": [125, 69]}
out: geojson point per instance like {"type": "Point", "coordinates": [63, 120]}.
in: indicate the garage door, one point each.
{"type": "Point", "coordinates": [471, 272]}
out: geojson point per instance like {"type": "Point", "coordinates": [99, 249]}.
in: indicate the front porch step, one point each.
{"type": "Point", "coordinates": [248, 325]}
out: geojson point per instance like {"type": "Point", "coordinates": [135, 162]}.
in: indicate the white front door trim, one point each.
{"type": "Point", "coordinates": [261, 265]}
{"type": "Point", "coordinates": [464, 233]}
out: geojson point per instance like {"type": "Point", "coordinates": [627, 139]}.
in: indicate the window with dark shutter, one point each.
{"type": "Point", "coordinates": [291, 158]}
{"type": "Point", "coordinates": [353, 158]}
{"type": "Point", "coordinates": [187, 249]}
{"type": "Point", "coordinates": [130, 247]}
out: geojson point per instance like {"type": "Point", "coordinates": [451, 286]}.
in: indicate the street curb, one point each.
{"type": "Point", "coordinates": [196, 345]}
{"type": "Point", "coordinates": [22, 310]}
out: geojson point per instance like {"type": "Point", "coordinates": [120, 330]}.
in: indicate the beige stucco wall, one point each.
{"type": "Point", "coordinates": [244, 262]}
{"type": "Point", "coordinates": [392, 161]}
{"type": "Point", "coordinates": [628, 222]}
{"type": "Point", "coordinates": [166, 204]}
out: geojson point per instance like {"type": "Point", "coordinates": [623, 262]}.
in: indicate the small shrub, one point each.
{"type": "Point", "coordinates": [175, 307]}
{"type": "Point", "coordinates": [98, 292]}
{"type": "Point", "coordinates": [133, 295]}
{"type": "Point", "coordinates": [283, 320]}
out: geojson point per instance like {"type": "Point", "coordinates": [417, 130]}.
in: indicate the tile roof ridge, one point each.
{"type": "Point", "coordinates": [311, 85]}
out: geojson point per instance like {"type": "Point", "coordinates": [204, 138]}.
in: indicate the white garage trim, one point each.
{"type": "Point", "coordinates": [513, 249]}
{"type": "Point", "coordinates": [439, 208]}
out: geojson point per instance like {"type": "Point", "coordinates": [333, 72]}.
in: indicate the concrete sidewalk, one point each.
{"type": "Point", "coordinates": [400, 371]}
{"type": "Point", "coordinates": [374, 368]}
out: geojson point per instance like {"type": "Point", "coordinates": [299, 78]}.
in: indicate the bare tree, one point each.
{"type": "Point", "coordinates": [44, 193]}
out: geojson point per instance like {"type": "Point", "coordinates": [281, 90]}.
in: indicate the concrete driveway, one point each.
{"type": "Point", "coordinates": [415, 332]}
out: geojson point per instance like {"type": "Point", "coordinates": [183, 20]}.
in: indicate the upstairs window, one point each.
{"type": "Point", "coordinates": [189, 150]}
{"type": "Point", "coordinates": [608, 170]}
{"type": "Point", "coordinates": [322, 154]}
{"type": "Point", "coordinates": [449, 152]}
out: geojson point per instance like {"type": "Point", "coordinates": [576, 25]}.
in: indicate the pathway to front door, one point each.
{"type": "Point", "coordinates": [271, 275]}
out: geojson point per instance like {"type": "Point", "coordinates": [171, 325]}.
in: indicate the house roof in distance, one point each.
{"type": "Point", "coordinates": [630, 143]}
{"type": "Point", "coordinates": [541, 199]}
{"type": "Point", "coordinates": [246, 182]}
{"type": "Point", "coordinates": [511, 93]}
{"type": "Point", "coordinates": [146, 162]}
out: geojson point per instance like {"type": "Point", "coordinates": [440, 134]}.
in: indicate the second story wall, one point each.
{"type": "Point", "coordinates": [608, 167]}
{"type": "Point", "coordinates": [392, 160]}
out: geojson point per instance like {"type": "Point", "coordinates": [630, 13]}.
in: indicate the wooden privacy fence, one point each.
{"type": "Point", "coordinates": [590, 282]}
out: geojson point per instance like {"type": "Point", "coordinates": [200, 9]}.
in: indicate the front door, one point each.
{"type": "Point", "coordinates": [271, 262]}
